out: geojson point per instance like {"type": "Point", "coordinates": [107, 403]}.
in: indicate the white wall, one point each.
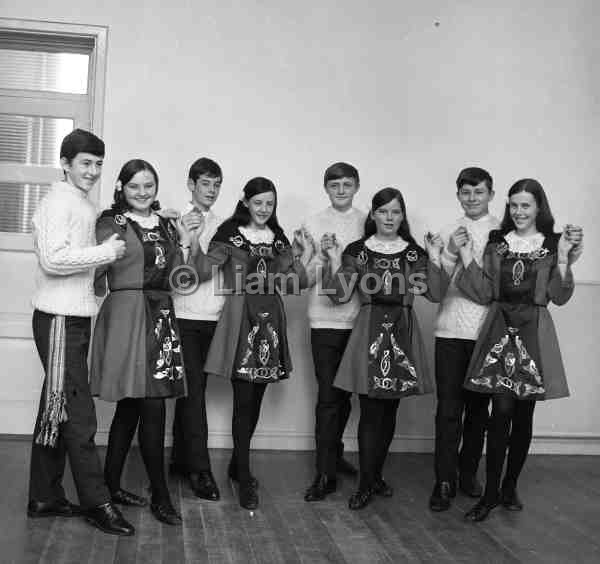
{"type": "Point", "coordinates": [283, 89]}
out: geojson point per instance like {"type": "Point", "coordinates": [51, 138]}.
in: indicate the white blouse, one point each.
{"type": "Point", "coordinates": [519, 244]}
{"type": "Point", "coordinates": [147, 222]}
{"type": "Point", "coordinates": [257, 236]}
{"type": "Point", "coordinates": [390, 247]}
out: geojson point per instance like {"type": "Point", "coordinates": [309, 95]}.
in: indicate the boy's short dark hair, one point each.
{"type": "Point", "coordinates": [81, 141]}
{"type": "Point", "coordinates": [340, 170]}
{"type": "Point", "coordinates": [473, 176]}
{"type": "Point", "coordinates": [205, 166]}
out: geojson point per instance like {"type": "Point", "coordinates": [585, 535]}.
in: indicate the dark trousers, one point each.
{"type": "Point", "coordinates": [510, 426]}
{"type": "Point", "coordinates": [76, 435]}
{"type": "Point", "coordinates": [375, 434]}
{"type": "Point", "coordinates": [333, 405]}
{"type": "Point", "coordinates": [149, 414]}
{"type": "Point", "coordinates": [247, 399]}
{"type": "Point", "coordinates": [190, 426]}
{"type": "Point", "coordinates": [452, 358]}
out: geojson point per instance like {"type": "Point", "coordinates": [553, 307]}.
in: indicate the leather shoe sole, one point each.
{"type": "Point", "coordinates": [109, 520]}
{"type": "Point", "coordinates": [109, 530]}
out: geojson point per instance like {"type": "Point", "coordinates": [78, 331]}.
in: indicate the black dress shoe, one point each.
{"type": "Point", "coordinates": [320, 488]}
{"type": "Point", "coordinates": [480, 511]}
{"type": "Point", "coordinates": [510, 499]}
{"type": "Point", "coordinates": [58, 508]}
{"type": "Point", "coordinates": [470, 485]}
{"type": "Point", "coordinates": [248, 496]}
{"type": "Point", "coordinates": [440, 497]}
{"type": "Point", "coordinates": [360, 499]}
{"type": "Point", "coordinates": [108, 519]}
{"type": "Point", "coordinates": [123, 497]}
{"type": "Point", "coordinates": [382, 488]}
{"type": "Point", "coordinates": [344, 467]}
{"type": "Point", "coordinates": [165, 512]}
{"type": "Point", "coordinates": [204, 486]}
{"type": "Point", "coordinates": [233, 475]}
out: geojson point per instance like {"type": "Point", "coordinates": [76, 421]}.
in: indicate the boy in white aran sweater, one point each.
{"type": "Point", "coordinates": [65, 244]}
{"type": "Point", "coordinates": [458, 324]}
{"type": "Point", "coordinates": [331, 326]}
{"type": "Point", "coordinates": [197, 315]}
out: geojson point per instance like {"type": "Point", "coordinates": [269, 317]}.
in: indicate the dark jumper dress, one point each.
{"type": "Point", "coordinates": [517, 352]}
{"type": "Point", "coordinates": [385, 357]}
{"type": "Point", "coordinates": [136, 351]}
{"type": "Point", "coordinates": [250, 341]}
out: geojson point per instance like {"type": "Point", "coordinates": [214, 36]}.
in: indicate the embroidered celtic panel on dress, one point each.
{"type": "Point", "coordinates": [261, 359]}
{"type": "Point", "coordinates": [168, 359]}
{"type": "Point", "coordinates": [391, 373]}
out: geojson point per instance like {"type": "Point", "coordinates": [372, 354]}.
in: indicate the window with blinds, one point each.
{"type": "Point", "coordinates": [48, 86]}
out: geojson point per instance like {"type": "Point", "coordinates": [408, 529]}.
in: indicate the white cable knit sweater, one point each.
{"type": "Point", "coordinates": [348, 227]}
{"type": "Point", "coordinates": [202, 304]}
{"type": "Point", "coordinates": [64, 235]}
{"type": "Point", "coordinates": [458, 317]}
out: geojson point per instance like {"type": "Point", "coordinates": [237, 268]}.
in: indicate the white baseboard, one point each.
{"type": "Point", "coordinates": [558, 443]}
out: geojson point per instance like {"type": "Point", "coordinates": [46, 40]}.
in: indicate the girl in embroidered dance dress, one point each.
{"type": "Point", "coordinates": [250, 344]}
{"type": "Point", "coordinates": [385, 359]}
{"type": "Point", "coordinates": [516, 358]}
{"type": "Point", "coordinates": [136, 353]}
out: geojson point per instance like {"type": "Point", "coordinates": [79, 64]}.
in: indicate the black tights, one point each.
{"type": "Point", "coordinates": [150, 414]}
{"type": "Point", "coordinates": [375, 433]}
{"type": "Point", "coordinates": [247, 399]}
{"type": "Point", "coordinates": [510, 426]}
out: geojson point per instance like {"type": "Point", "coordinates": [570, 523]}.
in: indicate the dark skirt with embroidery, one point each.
{"type": "Point", "coordinates": [508, 359]}
{"type": "Point", "coordinates": [262, 354]}
{"type": "Point", "coordinates": [136, 348]}
{"type": "Point", "coordinates": [385, 357]}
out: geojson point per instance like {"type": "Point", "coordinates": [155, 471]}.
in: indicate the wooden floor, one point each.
{"type": "Point", "coordinates": [560, 523]}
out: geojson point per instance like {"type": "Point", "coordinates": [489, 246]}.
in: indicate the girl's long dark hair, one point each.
{"type": "Point", "coordinates": [381, 198]}
{"type": "Point", "coordinates": [241, 214]}
{"type": "Point", "coordinates": [544, 220]}
{"type": "Point", "coordinates": [128, 171]}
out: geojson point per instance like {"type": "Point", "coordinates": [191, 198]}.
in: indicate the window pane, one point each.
{"type": "Point", "coordinates": [35, 70]}
{"type": "Point", "coordinates": [32, 140]}
{"type": "Point", "coordinates": [18, 204]}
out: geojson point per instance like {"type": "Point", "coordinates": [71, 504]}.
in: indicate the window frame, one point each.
{"type": "Point", "coordinates": [87, 114]}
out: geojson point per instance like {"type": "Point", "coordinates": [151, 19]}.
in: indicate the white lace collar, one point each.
{"type": "Point", "coordinates": [386, 247]}
{"type": "Point", "coordinates": [518, 244]}
{"type": "Point", "coordinates": [147, 222]}
{"type": "Point", "coordinates": [257, 236]}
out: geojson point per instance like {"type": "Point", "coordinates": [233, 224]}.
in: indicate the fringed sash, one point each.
{"type": "Point", "coordinates": [55, 400]}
